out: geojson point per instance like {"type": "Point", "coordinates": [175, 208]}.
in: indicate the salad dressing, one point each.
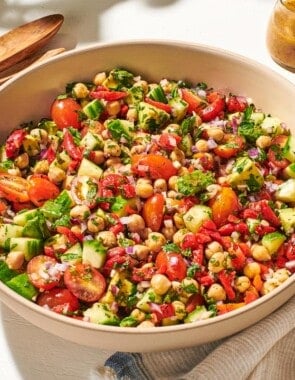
{"type": "Point", "coordinates": [281, 34]}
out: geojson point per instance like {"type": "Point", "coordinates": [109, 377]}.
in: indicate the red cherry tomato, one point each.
{"type": "Point", "coordinates": [153, 165]}
{"type": "Point", "coordinates": [214, 108]}
{"type": "Point", "coordinates": [172, 264]}
{"type": "Point", "coordinates": [225, 203]}
{"type": "Point", "coordinates": [65, 113]}
{"type": "Point", "coordinates": [275, 152]}
{"type": "Point", "coordinates": [85, 282]}
{"type": "Point", "coordinates": [236, 103]}
{"type": "Point", "coordinates": [230, 146]}
{"type": "Point", "coordinates": [41, 189]}
{"type": "Point", "coordinates": [153, 211]}
{"type": "Point", "coordinates": [59, 300]}
{"type": "Point", "coordinates": [43, 272]}
{"type": "Point", "coordinates": [169, 141]}
{"type": "Point", "coordinates": [14, 188]}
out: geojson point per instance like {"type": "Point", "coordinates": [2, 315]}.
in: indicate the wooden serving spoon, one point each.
{"type": "Point", "coordinates": [26, 39]}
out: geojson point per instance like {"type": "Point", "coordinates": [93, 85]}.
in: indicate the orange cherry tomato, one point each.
{"type": "Point", "coordinates": [41, 189]}
{"type": "Point", "coordinates": [65, 113]}
{"type": "Point", "coordinates": [153, 211]}
{"type": "Point", "coordinates": [14, 188]}
{"type": "Point", "coordinates": [275, 152]}
{"type": "Point", "coordinates": [85, 282]}
{"type": "Point", "coordinates": [230, 146]}
{"type": "Point", "coordinates": [40, 273]}
{"type": "Point", "coordinates": [172, 264]}
{"type": "Point", "coordinates": [225, 203]}
{"type": "Point", "coordinates": [153, 165]}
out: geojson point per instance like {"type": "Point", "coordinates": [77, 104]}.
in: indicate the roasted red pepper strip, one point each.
{"type": "Point", "coordinates": [72, 149]}
{"type": "Point", "coordinates": [216, 106]}
{"type": "Point", "coordinates": [14, 142]}
{"type": "Point", "coordinates": [269, 215]}
{"type": "Point", "coordinates": [165, 107]}
{"type": "Point", "coordinates": [108, 95]}
{"type": "Point", "coordinates": [226, 279]}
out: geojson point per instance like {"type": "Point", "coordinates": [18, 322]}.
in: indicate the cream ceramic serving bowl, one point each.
{"type": "Point", "coordinates": [28, 97]}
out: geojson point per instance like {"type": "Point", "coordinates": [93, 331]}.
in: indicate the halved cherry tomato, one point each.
{"type": "Point", "coordinates": [84, 190]}
{"type": "Point", "coordinates": [41, 189]}
{"type": "Point", "coordinates": [43, 272]}
{"type": "Point", "coordinates": [153, 211]}
{"type": "Point", "coordinates": [214, 108]}
{"type": "Point", "coordinates": [230, 146]}
{"type": "Point", "coordinates": [192, 99]}
{"type": "Point", "coordinates": [59, 300]}
{"type": "Point", "coordinates": [14, 188]}
{"type": "Point", "coordinates": [163, 106]}
{"type": "Point", "coordinates": [71, 148]}
{"type": "Point", "coordinates": [172, 264]}
{"type": "Point", "coordinates": [225, 203]}
{"type": "Point", "coordinates": [153, 165]}
{"type": "Point", "coordinates": [236, 103]}
{"type": "Point", "coordinates": [194, 300]}
{"type": "Point", "coordinates": [65, 113]}
{"type": "Point", "coordinates": [275, 152]}
{"type": "Point", "coordinates": [106, 94]}
{"type": "Point", "coordinates": [85, 282]}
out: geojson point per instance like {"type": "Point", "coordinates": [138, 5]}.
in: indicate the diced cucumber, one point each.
{"type": "Point", "coordinates": [289, 149]}
{"type": "Point", "coordinates": [286, 191]}
{"type": "Point", "coordinates": [126, 289]}
{"type": "Point", "coordinates": [93, 109]}
{"type": "Point", "coordinates": [36, 228]}
{"type": "Point", "coordinates": [271, 125]}
{"type": "Point", "coordinates": [88, 168]}
{"type": "Point", "coordinates": [73, 255]}
{"type": "Point", "coordinates": [101, 314]}
{"type": "Point", "coordinates": [151, 118]}
{"type": "Point", "coordinates": [6, 273]}
{"type": "Point", "coordinates": [22, 217]}
{"type": "Point", "coordinates": [179, 108]}
{"type": "Point", "coordinates": [287, 218]}
{"type": "Point", "coordinates": [195, 216]}
{"type": "Point", "coordinates": [245, 172]}
{"type": "Point", "coordinates": [93, 253]}
{"type": "Point", "coordinates": [21, 285]}
{"type": "Point", "coordinates": [8, 231]}
{"type": "Point", "coordinates": [273, 241]}
{"type": "Point", "coordinates": [257, 117]}
{"type": "Point", "coordinates": [29, 246]}
{"type": "Point", "coordinates": [121, 129]}
{"type": "Point", "coordinates": [92, 141]}
{"type": "Point", "coordinates": [289, 171]}
{"type": "Point", "coordinates": [252, 224]}
{"type": "Point", "coordinates": [198, 314]}
{"type": "Point", "coordinates": [149, 296]}
{"type": "Point", "coordinates": [61, 161]}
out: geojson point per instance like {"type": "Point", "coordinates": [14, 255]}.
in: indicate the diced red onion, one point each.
{"type": "Point", "coordinates": [290, 264]}
{"type": "Point", "coordinates": [168, 223]}
{"type": "Point", "coordinates": [129, 250]}
{"type": "Point", "coordinates": [114, 290]}
{"type": "Point", "coordinates": [145, 284]}
{"type": "Point", "coordinates": [211, 143]}
{"type": "Point", "coordinates": [253, 153]}
{"type": "Point", "coordinates": [143, 168]}
{"type": "Point", "coordinates": [271, 186]}
{"type": "Point", "coordinates": [125, 219]}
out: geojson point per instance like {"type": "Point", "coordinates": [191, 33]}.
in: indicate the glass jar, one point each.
{"type": "Point", "coordinates": [280, 37]}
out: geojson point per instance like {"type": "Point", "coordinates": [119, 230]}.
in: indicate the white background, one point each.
{"type": "Point", "coordinates": [26, 352]}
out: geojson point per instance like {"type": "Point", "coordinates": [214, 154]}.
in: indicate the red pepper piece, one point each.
{"type": "Point", "coordinates": [269, 215]}
{"type": "Point", "coordinates": [226, 279]}
{"type": "Point", "coordinates": [108, 95]}
{"type": "Point", "coordinates": [169, 141]}
{"type": "Point", "coordinates": [14, 142]}
{"type": "Point", "coordinates": [71, 148]}
{"type": "Point", "coordinates": [164, 107]}
{"type": "Point", "coordinates": [216, 106]}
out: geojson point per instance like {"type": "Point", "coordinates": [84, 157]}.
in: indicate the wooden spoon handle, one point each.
{"type": "Point", "coordinates": [43, 57]}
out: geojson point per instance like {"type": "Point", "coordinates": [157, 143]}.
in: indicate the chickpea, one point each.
{"type": "Point", "coordinates": [99, 78]}
{"type": "Point", "coordinates": [111, 162]}
{"type": "Point", "coordinates": [212, 248]}
{"type": "Point", "coordinates": [213, 190]}
{"type": "Point", "coordinates": [189, 285]}
{"type": "Point", "coordinates": [111, 148]}
{"type": "Point", "coordinates": [215, 133]}
{"type": "Point", "coordinates": [202, 146]}
{"type": "Point", "coordinates": [171, 128]}
{"type": "Point", "coordinates": [144, 188]}
{"type": "Point", "coordinates": [160, 185]}
{"type": "Point", "coordinates": [15, 259]}
{"type": "Point", "coordinates": [14, 171]}
{"type": "Point", "coordinates": [260, 253]}
{"type": "Point", "coordinates": [146, 324]}
{"type": "Point", "coordinates": [160, 283]}
{"type": "Point", "coordinates": [155, 241]}
{"type": "Point", "coordinates": [56, 174]}
{"type": "Point", "coordinates": [97, 156]}
{"type": "Point", "coordinates": [216, 262]}
{"type": "Point", "coordinates": [131, 114]}
{"type": "Point", "coordinates": [281, 275]}
{"type": "Point", "coordinates": [168, 232]}
{"type": "Point", "coordinates": [172, 182]}
{"type": "Point", "coordinates": [22, 161]}
{"type": "Point", "coordinates": [108, 238]}
{"type": "Point", "coordinates": [80, 90]}
{"type": "Point", "coordinates": [263, 141]}
{"type": "Point", "coordinates": [177, 155]}
{"type": "Point", "coordinates": [216, 292]}
{"type": "Point", "coordinates": [40, 135]}
{"type": "Point", "coordinates": [180, 311]}
{"type": "Point", "coordinates": [178, 221]}
{"type": "Point", "coordinates": [251, 269]}
{"type": "Point", "coordinates": [172, 194]}
{"type": "Point", "coordinates": [135, 223]}
{"type": "Point", "coordinates": [80, 212]}
{"type": "Point", "coordinates": [141, 251]}
{"type": "Point", "coordinates": [138, 315]}
{"type": "Point", "coordinates": [137, 149]}
{"type": "Point", "coordinates": [95, 224]}
{"type": "Point", "coordinates": [76, 229]}
{"type": "Point", "coordinates": [179, 235]}
{"type": "Point", "coordinates": [113, 108]}
{"type": "Point", "coordinates": [143, 84]}
{"type": "Point", "coordinates": [242, 283]}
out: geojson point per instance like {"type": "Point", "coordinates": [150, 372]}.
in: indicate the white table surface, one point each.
{"type": "Point", "coordinates": [26, 352]}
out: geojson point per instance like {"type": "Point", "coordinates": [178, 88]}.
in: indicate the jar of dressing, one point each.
{"type": "Point", "coordinates": [280, 36]}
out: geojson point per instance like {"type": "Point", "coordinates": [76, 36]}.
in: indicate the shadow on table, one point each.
{"type": "Point", "coordinates": [39, 355]}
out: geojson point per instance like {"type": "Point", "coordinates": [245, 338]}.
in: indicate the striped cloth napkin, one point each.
{"type": "Point", "coordinates": [265, 351]}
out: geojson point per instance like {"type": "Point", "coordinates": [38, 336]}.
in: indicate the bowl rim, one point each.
{"type": "Point", "coordinates": [202, 48]}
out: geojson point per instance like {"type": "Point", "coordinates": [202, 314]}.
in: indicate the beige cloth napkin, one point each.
{"type": "Point", "coordinates": [265, 351]}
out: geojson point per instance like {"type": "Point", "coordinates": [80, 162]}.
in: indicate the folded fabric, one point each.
{"type": "Point", "coordinates": [265, 350]}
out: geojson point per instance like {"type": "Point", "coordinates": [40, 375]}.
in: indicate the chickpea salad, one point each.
{"type": "Point", "coordinates": [139, 204]}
